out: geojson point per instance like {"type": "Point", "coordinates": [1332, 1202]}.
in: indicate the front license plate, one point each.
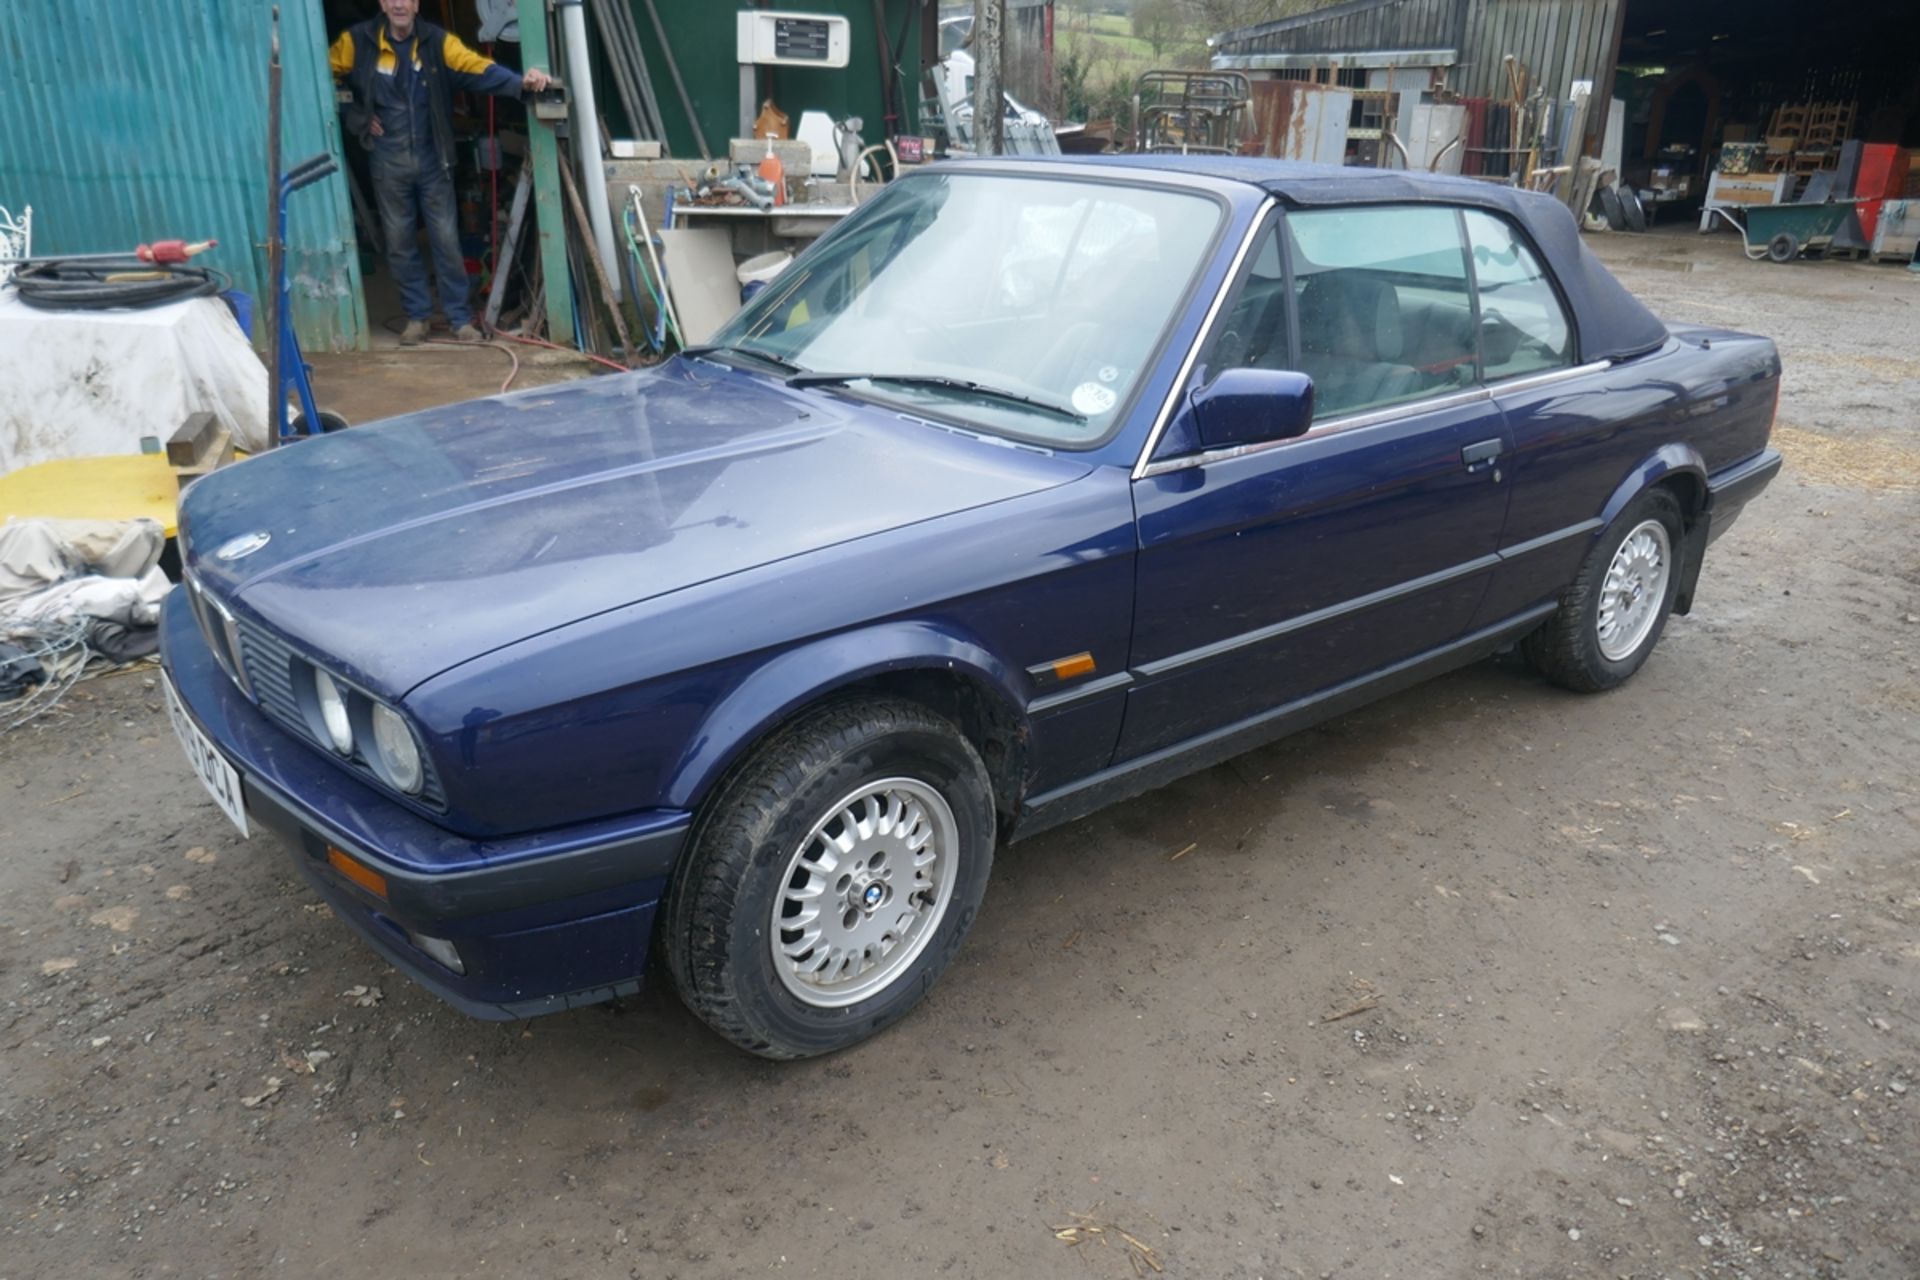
{"type": "Point", "coordinates": [221, 779]}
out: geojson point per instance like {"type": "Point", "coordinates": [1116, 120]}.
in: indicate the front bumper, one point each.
{"type": "Point", "coordinates": [541, 923]}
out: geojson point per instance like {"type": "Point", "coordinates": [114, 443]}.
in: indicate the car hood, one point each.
{"type": "Point", "coordinates": [402, 549]}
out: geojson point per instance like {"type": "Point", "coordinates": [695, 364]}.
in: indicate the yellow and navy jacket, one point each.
{"type": "Point", "coordinates": [409, 84]}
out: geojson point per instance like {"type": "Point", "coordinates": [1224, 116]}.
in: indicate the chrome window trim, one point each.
{"type": "Point", "coordinates": [1375, 417]}
{"type": "Point", "coordinates": [1258, 223]}
{"type": "Point", "coordinates": [1546, 378]}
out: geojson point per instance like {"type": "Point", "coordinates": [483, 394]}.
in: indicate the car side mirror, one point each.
{"type": "Point", "coordinates": [1252, 406]}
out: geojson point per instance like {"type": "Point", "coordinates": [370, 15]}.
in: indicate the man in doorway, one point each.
{"type": "Point", "coordinates": [402, 73]}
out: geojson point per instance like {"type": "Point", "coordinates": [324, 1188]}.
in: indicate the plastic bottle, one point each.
{"type": "Point", "coordinates": [775, 173]}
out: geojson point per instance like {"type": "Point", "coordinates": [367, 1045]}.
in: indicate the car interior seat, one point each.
{"type": "Point", "coordinates": [1352, 339]}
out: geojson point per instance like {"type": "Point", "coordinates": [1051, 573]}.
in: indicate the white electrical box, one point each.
{"type": "Point", "coordinates": [772, 38]}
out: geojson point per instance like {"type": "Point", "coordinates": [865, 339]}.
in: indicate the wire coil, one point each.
{"type": "Point", "coordinates": [102, 284]}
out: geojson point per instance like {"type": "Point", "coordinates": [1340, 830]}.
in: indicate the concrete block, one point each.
{"type": "Point", "coordinates": [796, 156]}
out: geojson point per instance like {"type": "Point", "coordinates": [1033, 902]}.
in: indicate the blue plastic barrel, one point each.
{"type": "Point", "coordinates": [241, 305]}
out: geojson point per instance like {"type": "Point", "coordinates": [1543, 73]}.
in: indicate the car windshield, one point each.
{"type": "Point", "coordinates": [1027, 307]}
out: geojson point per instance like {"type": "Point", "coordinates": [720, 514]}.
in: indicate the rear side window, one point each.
{"type": "Point", "coordinates": [1385, 311]}
{"type": "Point", "coordinates": [1523, 327]}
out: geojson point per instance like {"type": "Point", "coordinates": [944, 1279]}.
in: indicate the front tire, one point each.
{"type": "Point", "coordinates": [1613, 614]}
{"type": "Point", "coordinates": [832, 879]}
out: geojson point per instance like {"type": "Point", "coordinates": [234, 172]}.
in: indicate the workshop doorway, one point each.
{"type": "Point", "coordinates": [490, 149]}
{"type": "Point", "coordinates": [1696, 74]}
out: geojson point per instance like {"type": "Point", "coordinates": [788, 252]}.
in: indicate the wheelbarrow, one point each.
{"type": "Point", "coordinates": [1782, 232]}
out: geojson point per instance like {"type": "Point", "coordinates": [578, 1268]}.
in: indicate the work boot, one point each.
{"type": "Point", "coordinates": [414, 334]}
{"type": "Point", "coordinates": [467, 333]}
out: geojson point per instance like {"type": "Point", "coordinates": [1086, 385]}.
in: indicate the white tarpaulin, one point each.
{"type": "Point", "coordinates": [77, 384]}
{"type": "Point", "coordinates": [99, 574]}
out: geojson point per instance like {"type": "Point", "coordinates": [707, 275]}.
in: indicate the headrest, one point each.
{"type": "Point", "coordinates": [1344, 313]}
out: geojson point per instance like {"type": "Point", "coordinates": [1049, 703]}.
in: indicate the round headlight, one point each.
{"type": "Point", "coordinates": [333, 712]}
{"type": "Point", "coordinates": [399, 755]}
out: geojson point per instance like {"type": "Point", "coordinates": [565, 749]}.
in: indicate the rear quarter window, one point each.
{"type": "Point", "coordinates": [1523, 325]}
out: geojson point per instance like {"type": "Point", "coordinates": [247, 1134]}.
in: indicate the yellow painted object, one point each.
{"type": "Point", "coordinates": [115, 487]}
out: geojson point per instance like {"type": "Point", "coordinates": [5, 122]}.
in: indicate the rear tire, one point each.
{"type": "Point", "coordinates": [1631, 208]}
{"type": "Point", "coordinates": [1783, 247]}
{"type": "Point", "coordinates": [1613, 614]}
{"type": "Point", "coordinates": [832, 879]}
{"type": "Point", "coordinates": [1610, 209]}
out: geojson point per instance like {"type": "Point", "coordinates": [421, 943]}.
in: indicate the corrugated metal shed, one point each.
{"type": "Point", "coordinates": [1559, 41]}
{"type": "Point", "coordinates": [1359, 26]}
{"type": "Point", "coordinates": [120, 125]}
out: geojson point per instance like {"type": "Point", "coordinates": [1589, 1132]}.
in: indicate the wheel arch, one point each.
{"type": "Point", "coordinates": [952, 674]}
{"type": "Point", "coordinates": [1674, 466]}
{"type": "Point", "coordinates": [1679, 469]}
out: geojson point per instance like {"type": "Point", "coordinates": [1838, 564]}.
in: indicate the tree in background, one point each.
{"type": "Point", "coordinates": [1161, 23]}
{"type": "Point", "coordinates": [1216, 16]}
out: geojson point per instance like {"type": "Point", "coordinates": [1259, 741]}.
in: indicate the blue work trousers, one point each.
{"type": "Point", "coordinates": [410, 189]}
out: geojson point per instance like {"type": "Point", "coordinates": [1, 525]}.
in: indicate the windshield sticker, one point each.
{"type": "Point", "coordinates": [1108, 373]}
{"type": "Point", "coordinates": [1091, 398]}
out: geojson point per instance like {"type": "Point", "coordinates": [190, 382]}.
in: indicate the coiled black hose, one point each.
{"type": "Point", "coordinates": [73, 284]}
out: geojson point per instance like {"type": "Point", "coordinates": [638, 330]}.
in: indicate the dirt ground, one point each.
{"type": "Point", "coordinates": [1487, 979]}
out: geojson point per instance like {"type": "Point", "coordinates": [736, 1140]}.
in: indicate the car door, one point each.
{"type": "Point", "coordinates": [1269, 575]}
{"type": "Point", "coordinates": [1570, 422]}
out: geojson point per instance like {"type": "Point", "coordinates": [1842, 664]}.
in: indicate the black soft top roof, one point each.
{"type": "Point", "coordinates": [1612, 324]}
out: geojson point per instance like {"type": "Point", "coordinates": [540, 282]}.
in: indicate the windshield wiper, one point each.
{"type": "Point", "coordinates": [980, 389]}
{"type": "Point", "coordinates": [752, 353]}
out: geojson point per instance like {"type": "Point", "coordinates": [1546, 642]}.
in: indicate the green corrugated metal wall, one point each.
{"type": "Point", "coordinates": [702, 36]}
{"type": "Point", "coordinates": [131, 120]}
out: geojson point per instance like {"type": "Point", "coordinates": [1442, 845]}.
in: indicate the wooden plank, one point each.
{"type": "Point", "coordinates": [503, 264]}
{"type": "Point", "coordinates": [598, 267]}
{"type": "Point", "coordinates": [188, 445]}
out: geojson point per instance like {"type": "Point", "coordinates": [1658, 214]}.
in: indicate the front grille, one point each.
{"type": "Point", "coordinates": [268, 663]}
{"type": "Point", "coordinates": [269, 666]}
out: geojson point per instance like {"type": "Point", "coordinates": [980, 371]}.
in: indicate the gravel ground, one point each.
{"type": "Point", "coordinates": [1484, 980]}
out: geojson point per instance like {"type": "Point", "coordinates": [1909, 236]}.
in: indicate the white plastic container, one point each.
{"type": "Point", "coordinates": [764, 267]}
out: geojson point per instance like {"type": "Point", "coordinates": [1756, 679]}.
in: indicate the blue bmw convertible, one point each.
{"type": "Point", "coordinates": [1032, 486]}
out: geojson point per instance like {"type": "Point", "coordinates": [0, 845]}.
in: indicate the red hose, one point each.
{"type": "Point", "coordinates": [554, 346]}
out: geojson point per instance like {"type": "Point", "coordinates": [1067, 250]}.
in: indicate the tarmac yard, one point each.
{"type": "Point", "coordinates": [1487, 979]}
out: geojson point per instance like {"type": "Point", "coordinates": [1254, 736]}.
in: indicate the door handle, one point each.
{"type": "Point", "coordinates": [1480, 456]}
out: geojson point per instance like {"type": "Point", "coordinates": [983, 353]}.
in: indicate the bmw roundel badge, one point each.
{"type": "Point", "coordinates": [244, 545]}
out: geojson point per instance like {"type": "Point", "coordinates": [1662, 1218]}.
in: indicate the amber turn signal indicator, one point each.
{"type": "Point", "coordinates": [358, 872]}
{"type": "Point", "coordinates": [1080, 664]}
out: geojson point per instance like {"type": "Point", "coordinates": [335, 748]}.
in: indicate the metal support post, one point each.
{"type": "Point", "coordinates": [548, 207]}
{"type": "Point", "coordinates": [989, 110]}
{"type": "Point", "coordinates": [585, 118]}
